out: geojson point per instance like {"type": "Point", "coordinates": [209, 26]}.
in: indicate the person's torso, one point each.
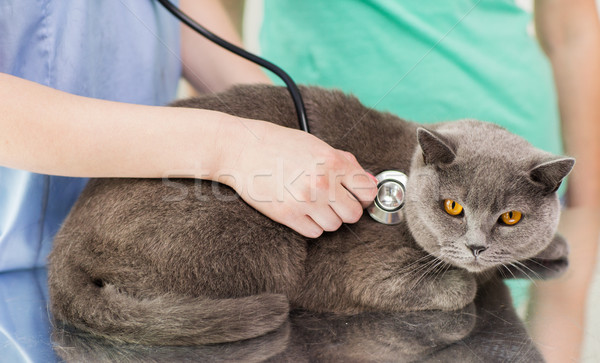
{"type": "Point", "coordinates": [438, 61]}
{"type": "Point", "coordinates": [115, 50]}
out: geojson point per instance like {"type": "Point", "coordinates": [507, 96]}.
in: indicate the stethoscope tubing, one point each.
{"type": "Point", "coordinates": [289, 82]}
{"type": "Point", "coordinates": [376, 210]}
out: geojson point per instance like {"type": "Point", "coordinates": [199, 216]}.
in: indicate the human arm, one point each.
{"type": "Point", "coordinates": [52, 132]}
{"type": "Point", "coordinates": [210, 68]}
{"type": "Point", "coordinates": [207, 66]}
{"type": "Point", "coordinates": [569, 32]}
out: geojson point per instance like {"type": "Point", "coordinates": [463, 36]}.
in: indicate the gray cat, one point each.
{"type": "Point", "coordinates": [138, 261]}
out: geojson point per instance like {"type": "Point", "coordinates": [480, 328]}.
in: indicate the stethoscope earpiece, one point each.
{"type": "Point", "coordinates": [391, 192]}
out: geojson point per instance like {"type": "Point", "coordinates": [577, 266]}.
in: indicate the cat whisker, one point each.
{"type": "Point", "coordinates": [430, 268]}
{"type": "Point", "coordinates": [508, 269]}
{"type": "Point", "coordinates": [486, 274]}
{"type": "Point", "coordinates": [523, 272]}
{"type": "Point", "coordinates": [445, 267]}
{"type": "Point", "coordinates": [427, 267]}
{"type": "Point", "coordinates": [502, 273]}
{"type": "Point", "coordinates": [536, 275]}
{"type": "Point", "coordinates": [540, 264]}
{"type": "Point", "coordinates": [410, 265]}
{"type": "Point", "coordinates": [439, 267]}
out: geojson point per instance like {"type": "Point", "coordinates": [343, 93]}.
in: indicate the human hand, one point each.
{"type": "Point", "coordinates": [295, 178]}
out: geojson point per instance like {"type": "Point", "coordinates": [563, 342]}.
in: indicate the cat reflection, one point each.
{"type": "Point", "coordinates": [488, 330]}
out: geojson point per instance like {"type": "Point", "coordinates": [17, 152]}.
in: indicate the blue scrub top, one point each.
{"type": "Point", "coordinates": [119, 50]}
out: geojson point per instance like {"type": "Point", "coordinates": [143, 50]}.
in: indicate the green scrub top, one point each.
{"type": "Point", "coordinates": [426, 61]}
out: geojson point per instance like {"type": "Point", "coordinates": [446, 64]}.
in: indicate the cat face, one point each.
{"type": "Point", "coordinates": [479, 197]}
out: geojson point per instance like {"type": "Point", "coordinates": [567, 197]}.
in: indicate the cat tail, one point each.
{"type": "Point", "coordinates": [166, 320]}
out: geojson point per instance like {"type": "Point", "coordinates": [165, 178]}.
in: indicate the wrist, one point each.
{"type": "Point", "coordinates": [235, 136]}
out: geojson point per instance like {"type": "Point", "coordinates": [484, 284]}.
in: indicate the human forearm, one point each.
{"type": "Point", "coordinates": [206, 66]}
{"type": "Point", "coordinates": [578, 80]}
{"type": "Point", "coordinates": [569, 32]}
{"type": "Point", "coordinates": [558, 310]}
{"type": "Point", "coordinates": [48, 131]}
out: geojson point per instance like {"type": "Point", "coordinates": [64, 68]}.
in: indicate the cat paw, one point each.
{"type": "Point", "coordinates": [455, 290]}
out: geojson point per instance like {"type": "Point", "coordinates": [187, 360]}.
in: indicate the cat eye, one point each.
{"type": "Point", "coordinates": [511, 218]}
{"type": "Point", "coordinates": [452, 208]}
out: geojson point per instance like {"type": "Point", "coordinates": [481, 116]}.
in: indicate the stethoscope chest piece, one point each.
{"type": "Point", "coordinates": [391, 194]}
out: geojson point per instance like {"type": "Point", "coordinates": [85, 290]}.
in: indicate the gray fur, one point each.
{"type": "Point", "coordinates": [139, 261]}
{"type": "Point", "coordinates": [487, 330]}
{"type": "Point", "coordinates": [491, 174]}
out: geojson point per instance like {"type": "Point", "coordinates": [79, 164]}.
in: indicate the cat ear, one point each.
{"type": "Point", "coordinates": [436, 148]}
{"type": "Point", "coordinates": [550, 174]}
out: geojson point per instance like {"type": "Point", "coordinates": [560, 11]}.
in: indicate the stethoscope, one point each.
{"type": "Point", "coordinates": [391, 184]}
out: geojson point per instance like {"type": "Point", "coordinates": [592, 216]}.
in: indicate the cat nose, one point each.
{"type": "Point", "coordinates": [476, 249]}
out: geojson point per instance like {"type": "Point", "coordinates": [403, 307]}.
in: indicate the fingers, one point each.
{"type": "Point", "coordinates": [311, 191]}
{"type": "Point", "coordinates": [341, 204]}
{"type": "Point", "coordinates": [327, 219]}
{"type": "Point", "coordinates": [306, 226]}
{"type": "Point", "coordinates": [345, 205]}
{"type": "Point", "coordinates": [339, 198]}
{"type": "Point", "coordinates": [321, 220]}
{"type": "Point", "coordinates": [357, 181]}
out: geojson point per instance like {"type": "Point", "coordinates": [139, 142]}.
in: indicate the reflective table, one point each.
{"type": "Point", "coordinates": [486, 331]}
